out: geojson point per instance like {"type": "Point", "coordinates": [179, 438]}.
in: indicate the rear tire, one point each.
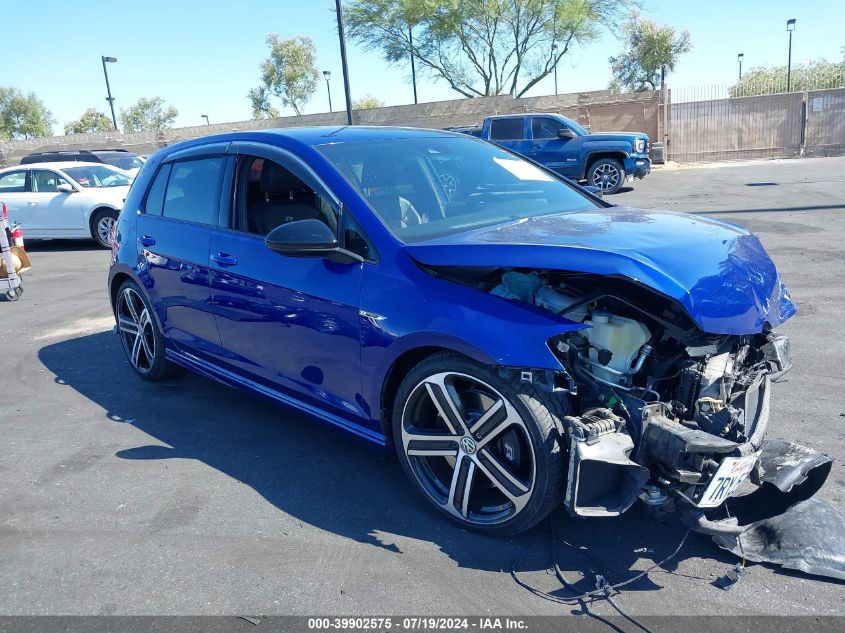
{"type": "Point", "coordinates": [140, 337]}
{"type": "Point", "coordinates": [606, 174]}
{"type": "Point", "coordinates": [484, 451]}
{"type": "Point", "coordinates": [102, 225]}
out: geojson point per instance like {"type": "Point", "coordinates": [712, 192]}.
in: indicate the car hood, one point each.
{"type": "Point", "coordinates": [719, 272]}
{"type": "Point", "coordinates": [614, 136]}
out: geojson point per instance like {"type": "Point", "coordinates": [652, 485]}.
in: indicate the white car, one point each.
{"type": "Point", "coordinates": [65, 200]}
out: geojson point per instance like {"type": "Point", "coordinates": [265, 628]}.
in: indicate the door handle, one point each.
{"type": "Point", "coordinates": [224, 259]}
{"type": "Point", "coordinates": [32, 203]}
{"type": "Point", "coordinates": [147, 240]}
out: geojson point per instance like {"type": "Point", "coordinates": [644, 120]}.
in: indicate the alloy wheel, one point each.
{"type": "Point", "coordinates": [135, 326]}
{"type": "Point", "coordinates": [105, 226]}
{"type": "Point", "coordinates": [468, 448]}
{"type": "Point", "coordinates": [606, 177]}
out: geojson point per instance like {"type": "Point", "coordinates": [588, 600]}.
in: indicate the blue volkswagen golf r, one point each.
{"type": "Point", "coordinates": [517, 341]}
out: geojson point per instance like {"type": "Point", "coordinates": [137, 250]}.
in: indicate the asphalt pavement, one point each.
{"type": "Point", "coordinates": [187, 497]}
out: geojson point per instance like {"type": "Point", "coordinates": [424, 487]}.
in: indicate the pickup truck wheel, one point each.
{"type": "Point", "coordinates": [606, 174]}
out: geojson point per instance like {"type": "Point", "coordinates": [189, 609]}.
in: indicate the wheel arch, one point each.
{"type": "Point", "coordinates": [397, 371]}
{"type": "Point", "coordinates": [598, 154]}
{"type": "Point", "coordinates": [93, 214]}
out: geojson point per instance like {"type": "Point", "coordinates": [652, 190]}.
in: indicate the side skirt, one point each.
{"type": "Point", "coordinates": [214, 372]}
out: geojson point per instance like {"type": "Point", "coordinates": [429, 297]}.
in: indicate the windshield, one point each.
{"type": "Point", "coordinates": [122, 161]}
{"type": "Point", "coordinates": [432, 187]}
{"type": "Point", "coordinates": [98, 176]}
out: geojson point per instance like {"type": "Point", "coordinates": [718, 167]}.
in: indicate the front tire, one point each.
{"type": "Point", "coordinates": [606, 174]}
{"type": "Point", "coordinates": [139, 335]}
{"type": "Point", "coordinates": [483, 450]}
{"type": "Point", "coordinates": [102, 225]}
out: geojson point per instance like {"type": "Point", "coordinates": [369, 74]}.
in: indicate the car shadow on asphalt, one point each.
{"type": "Point", "coordinates": [325, 477]}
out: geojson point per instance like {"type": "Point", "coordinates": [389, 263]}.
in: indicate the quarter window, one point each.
{"type": "Point", "coordinates": [193, 190]}
{"type": "Point", "coordinates": [506, 129]}
{"type": "Point", "coordinates": [155, 197]}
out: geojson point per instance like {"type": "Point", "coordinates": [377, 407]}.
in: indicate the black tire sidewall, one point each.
{"type": "Point", "coordinates": [604, 161]}
{"type": "Point", "coordinates": [544, 436]}
{"type": "Point", "coordinates": [162, 368]}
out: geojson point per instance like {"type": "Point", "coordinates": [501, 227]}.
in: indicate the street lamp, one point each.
{"type": "Point", "coordinates": [110, 99]}
{"type": "Point", "coordinates": [554, 54]}
{"type": "Point", "coordinates": [328, 75]}
{"type": "Point", "coordinates": [342, 39]}
{"type": "Point", "coordinates": [205, 116]}
{"type": "Point", "coordinates": [739, 58]}
{"type": "Point", "coordinates": [413, 68]}
{"type": "Point", "coordinates": [790, 26]}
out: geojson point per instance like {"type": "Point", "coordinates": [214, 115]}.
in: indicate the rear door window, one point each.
{"type": "Point", "coordinates": [13, 182]}
{"type": "Point", "coordinates": [506, 129]}
{"type": "Point", "coordinates": [193, 190]}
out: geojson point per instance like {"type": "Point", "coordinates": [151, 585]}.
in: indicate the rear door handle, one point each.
{"type": "Point", "coordinates": [224, 259]}
{"type": "Point", "coordinates": [147, 240]}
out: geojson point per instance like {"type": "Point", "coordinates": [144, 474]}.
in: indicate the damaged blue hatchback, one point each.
{"type": "Point", "coordinates": [518, 342]}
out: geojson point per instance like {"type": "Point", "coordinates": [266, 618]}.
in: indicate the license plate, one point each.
{"type": "Point", "coordinates": [732, 472]}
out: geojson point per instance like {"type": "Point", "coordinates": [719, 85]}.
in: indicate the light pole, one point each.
{"type": "Point", "coordinates": [328, 75]}
{"type": "Point", "coordinates": [554, 54]}
{"type": "Point", "coordinates": [205, 116]}
{"type": "Point", "coordinates": [790, 26]}
{"type": "Point", "coordinates": [413, 69]}
{"type": "Point", "coordinates": [739, 58]}
{"type": "Point", "coordinates": [343, 61]}
{"type": "Point", "coordinates": [110, 99]}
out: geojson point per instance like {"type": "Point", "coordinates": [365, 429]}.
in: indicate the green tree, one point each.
{"type": "Point", "coordinates": [289, 73]}
{"type": "Point", "coordinates": [367, 103]}
{"type": "Point", "coordinates": [148, 115]}
{"type": "Point", "coordinates": [481, 47]}
{"type": "Point", "coordinates": [261, 106]}
{"type": "Point", "coordinates": [648, 48]}
{"type": "Point", "coordinates": [90, 121]}
{"type": "Point", "coordinates": [816, 75]}
{"type": "Point", "coordinates": [23, 116]}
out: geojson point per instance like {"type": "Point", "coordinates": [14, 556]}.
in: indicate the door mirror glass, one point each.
{"type": "Point", "coordinates": [565, 133]}
{"type": "Point", "coordinates": [302, 238]}
{"type": "Point", "coordinates": [65, 188]}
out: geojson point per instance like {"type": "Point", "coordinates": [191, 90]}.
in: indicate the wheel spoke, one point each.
{"type": "Point", "coordinates": [461, 485]}
{"type": "Point", "coordinates": [130, 305]}
{"type": "Point", "coordinates": [491, 419]}
{"type": "Point", "coordinates": [127, 326]}
{"type": "Point", "coordinates": [501, 477]}
{"type": "Point", "coordinates": [136, 350]}
{"type": "Point", "coordinates": [446, 406]}
{"type": "Point", "coordinates": [430, 445]}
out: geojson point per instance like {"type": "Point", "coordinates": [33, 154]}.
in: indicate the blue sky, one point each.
{"type": "Point", "coordinates": [203, 56]}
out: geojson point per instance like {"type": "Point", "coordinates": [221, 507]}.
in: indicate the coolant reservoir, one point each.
{"type": "Point", "coordinates": [622, 337]}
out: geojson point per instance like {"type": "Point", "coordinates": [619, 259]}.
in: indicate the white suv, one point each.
{"type": "Point", "coordinates": [64, 200]}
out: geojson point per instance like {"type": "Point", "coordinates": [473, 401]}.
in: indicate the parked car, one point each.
{"type": "Point", "coordinates": [64, 200]}
{"type": "Point", "coordinates": [519, 343]}
{"type": "Point", "coordinates": [606, 161]}
{"type": "Point", "coordinates": [120, 158]}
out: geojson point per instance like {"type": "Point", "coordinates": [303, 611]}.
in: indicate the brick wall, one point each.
{"type": "Point", "coordinates": [601, 111]}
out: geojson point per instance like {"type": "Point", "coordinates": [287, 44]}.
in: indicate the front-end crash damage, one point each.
{"type": "Point", "coordinates": [661, 411]}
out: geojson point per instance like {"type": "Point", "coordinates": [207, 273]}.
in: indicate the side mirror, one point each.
{"type": "Point", "coordinates": [565, 133]}
{"type": "Point", "coordinates": [63, 188]}
{"type": "Point", "coordinates": [307, 238]}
